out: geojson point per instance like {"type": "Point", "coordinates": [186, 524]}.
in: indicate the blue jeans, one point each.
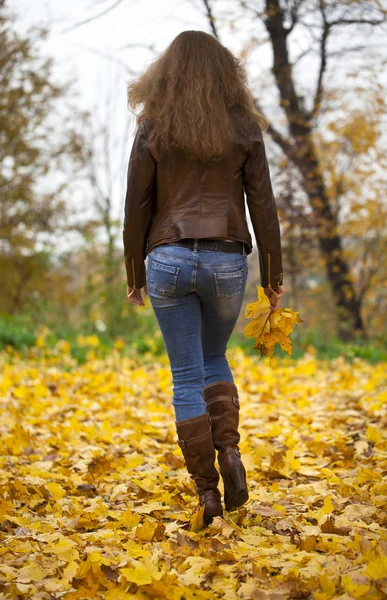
{"type": "Point", "coordinates": [197, 297]}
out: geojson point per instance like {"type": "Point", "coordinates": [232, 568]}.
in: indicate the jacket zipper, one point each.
{"type": "Point", "coordinates": [268, 269]}
{"type": "Point", "coordinates": [134, 279]}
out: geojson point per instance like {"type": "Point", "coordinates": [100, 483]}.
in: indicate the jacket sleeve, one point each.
{"type": "Point", "coordinates": [263, 209]}
{"type": "Point", "coordinates": [139, 207]}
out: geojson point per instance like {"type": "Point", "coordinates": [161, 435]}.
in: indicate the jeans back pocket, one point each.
{"type": "Point", "coordinates": [164, 277]}
{"type": "Point", "coordinates": [228, 285]}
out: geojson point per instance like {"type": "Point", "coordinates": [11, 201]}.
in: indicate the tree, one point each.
{"type": "Point", "coordinates": [103, 172]}
{"type": "Point", "coordinates": [353, 159]}
{"type": "Point", "coordinates": [320, 20]}
{"type": "Point", "coordinates": [36, 142]}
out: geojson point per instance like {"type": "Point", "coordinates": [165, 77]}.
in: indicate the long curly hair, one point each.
{"type": "Point", "coordinates": [191, 93]}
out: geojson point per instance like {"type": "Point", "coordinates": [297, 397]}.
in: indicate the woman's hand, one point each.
{"type": "Point", "coordinates": [274, 297]}
{"type": "Point", "coordinates": [134, 295]}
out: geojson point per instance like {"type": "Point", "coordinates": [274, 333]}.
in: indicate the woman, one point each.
{"type": "Point", "coordinates": [197, 149]}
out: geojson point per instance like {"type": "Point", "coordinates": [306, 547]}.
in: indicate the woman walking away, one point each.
{"type": "Point", "coordinates": [197, 149]}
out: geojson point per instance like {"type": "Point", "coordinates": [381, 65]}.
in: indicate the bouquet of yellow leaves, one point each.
{"type": "Point", "coordinates": [270, 327]}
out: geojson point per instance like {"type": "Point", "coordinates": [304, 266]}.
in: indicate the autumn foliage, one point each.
{"type": "Point", "coordinates": [269, 327]}
{"type": "Point", "coordinates": [96, 502]}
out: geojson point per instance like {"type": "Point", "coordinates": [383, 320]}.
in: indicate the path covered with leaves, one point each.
{"type": "Point", "coordinates": [96, 502]}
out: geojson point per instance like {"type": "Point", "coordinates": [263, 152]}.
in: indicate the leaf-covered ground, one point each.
{"type": "Point", "coordinates": [96, 502]}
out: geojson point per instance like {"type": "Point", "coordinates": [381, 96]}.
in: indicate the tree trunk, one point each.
{"type": "Point", "coordinates": [338, 273]}
{"type": "Point", "coordinates": [302, 153]}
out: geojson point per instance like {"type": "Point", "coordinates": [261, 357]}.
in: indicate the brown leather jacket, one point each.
{"type": "Point", "coordinates": [170, 197]}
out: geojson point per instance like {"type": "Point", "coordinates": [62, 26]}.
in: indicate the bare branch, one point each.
{"type": "Point", "coordinates": [343, 51]}
{"type": "Point", "coordinates": [302, 55]}
{"type": "Point", "coordinates": [276, 136]}
{"type": "Point", "coordinates": [211, 18]}
{"type": "Point", "coordinates": [294, 14]}
{"type": "Point", "coordinates": [94, 18]}
{"type": "Point", "coordinates": [358, 22]}
{"type": "Point", "coordinates": [285, 146]}
{"type": "Point", "coordinates": [254, 10]}
{"type": "Point", "coordinates": [109, 57]}
{"type": "Point", "coordinates": [150, 47]}
{"type": "Point", "coordinates": [323, 62]}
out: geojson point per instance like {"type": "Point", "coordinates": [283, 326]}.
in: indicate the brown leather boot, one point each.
{"type": "Point", "coordinates": [196, 443]}
{"type": "Point", "coordinates": [222, 403]}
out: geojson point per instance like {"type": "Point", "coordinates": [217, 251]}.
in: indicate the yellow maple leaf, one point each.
{"type": "Point", "coordinates": [32, 572]}
{"type": "Point", "coordinates": [254, 309]}
{"type": "Point", "coordinates": [377, 566]}
{"type": "Point", "coordinates": [327, 507]}
{"type": "Point", "coordinates": [142, 572]}
{"type": "Point", "coordinates": [269, 327]}
{"type": "Point", "coordinates": [138, 575]}
{"type": "Point", "coordinates": [55, 490]}
{"type": "Point", "coordinates": [197, 520]}
{"type": "Point", "coordinates": [373, 434]}
{"type": "Point", "coordinates": [149, 531]}
{"type": "Point", "coordinates": [356, 586]}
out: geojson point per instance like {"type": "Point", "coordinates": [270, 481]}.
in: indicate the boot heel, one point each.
{"type": "Point", "coordinates": [235, 487]}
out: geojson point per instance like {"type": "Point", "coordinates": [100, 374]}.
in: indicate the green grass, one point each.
{"type": "Point", "coordinates": [326, 348]}
{"type": "Point", "coordinates": [142, 336]}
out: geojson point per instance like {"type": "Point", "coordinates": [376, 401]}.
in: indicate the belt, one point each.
{"type": "Point", "coordinates": [210, 244]}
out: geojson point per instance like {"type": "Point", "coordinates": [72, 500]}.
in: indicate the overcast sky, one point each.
{"type": "Point", "coordinates": [131, 22]}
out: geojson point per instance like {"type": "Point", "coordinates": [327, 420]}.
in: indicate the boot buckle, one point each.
{"type": "Point", "coordinates": [237, 452]}
{"type": "Point", "coordinates": [181, 444]}
{"type": "Point", "coordinates": [235, 401]}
